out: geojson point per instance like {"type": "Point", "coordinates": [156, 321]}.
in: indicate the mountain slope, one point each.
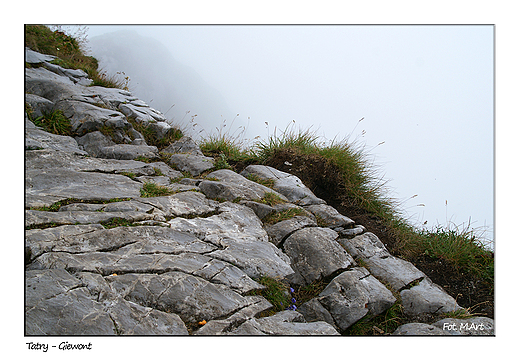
{"type": "Point", "coordinates": [156, 77]}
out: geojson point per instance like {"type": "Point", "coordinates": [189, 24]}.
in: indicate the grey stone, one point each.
{"type": "Point", "coordinates": [231, 186]}
{"type": "Point", "coordinates": [329, 216]}
{"type": "Point", "coordinates": [242, 241]}
{"type": "Point", "coordinates": [38, 241]}
{"type": "Point", "coordinates": [59, 316]}
{"type": "Point", "coordinates": [394, 271]}
{"type": "Point", "coordinates": [140, 113]}
{"type": "Point", "coordinates": [352, 295]}
{"type": "Point", "coordinates": [224, 327]}
{"type": "Point", "coordinates": [350, 232]}
{"type": "Point", "coordinates": [279, 231]}
{"type": "Point", "coordinates": [93, 142]}
{"type": "Point", "coordinates": [162, 181]}
{"type": "Point", "coordinates": [192, 163]}
{"type": "Point", "coordinates": [285, 183]}
{"type": "Point", "coordinates": [314, 311]}
{"type": "Point", "coordinates": [56, 301]}
{"type": "Point", "coordinates": [261, 210]}
{"type": "Point", "coordinates": [86, 117]}
{"type": "Point", "coordinates": [183, 145]}
{"type": "Point", "coordinates": [128, 151]}
{"type": "Point", "coordinates": [33, 57]}
{"type": "Point", "coordinates": [39, 139]}
{"type": "Point", "coordinates": [82, 185]}
{"type": "Point", "coordinates": [419, 329]}
{"type": "Point", "coordinates": [41, 285]}
{"type": "Point", "coordinates": [39, 218]}
{"type": "Point", "coordinates": [120, 241]}
{"type": "Point", "coordinates": [38, 105]}
{"type": "Point", "coordinates": [427, 297]}
{"type": "Point", "coordinates": [469, 326]}
{"type": "Point", "coordinates": [133, 319]}
{"type": "Point", "coordinates": [181, 204]}
{"type": "Point", "coordinates": [192, 298]}
{"type": "Point", "coordinates": [284, 323]}
{"type": "Point", "coordinates": [364, 246]}
{"type": "Point", "coordinates": [315, 254]}
{"type": "Point", "coordinates": [75, 75]}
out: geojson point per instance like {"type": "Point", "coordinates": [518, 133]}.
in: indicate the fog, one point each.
{"type": "Point", "coordinates": [424, 94]}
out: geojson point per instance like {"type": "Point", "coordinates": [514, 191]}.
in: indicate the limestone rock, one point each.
{"type": "Point", "coordinates": [287, 184]}
{"type": "Point", "coordinates": [223, 327]}
{"type": "Point", "coordinates": [38, 139]}
{"type": "Point", "coordinates": [365, 246]}
{"type": "Point", "coordinates": [141, 112]}
{"type": "Point", "coordinates": [315, 254]}
{"type": "Point", "coordinates": [314, 311]}
{"type": "Point", "coordinates": [279, 231]}
{"type": "Point", "coordinates": [134, 319]}
{"type": "Point", "coordinates": [33, 57]}
{"type": "Point", "coordinates": [193, 163]}
{"type": "Point", "coordinates": [183, 145]}
{"type": "Point", "coordinates": [284, 323]}
{"type": "Point", "coordinates": [353, 294]}
{"type": "Point", "coordinates": [396, 272]}
{"type": "Point", "coordinates": [128, 151]}
{"type": "Point", "coordinates": [181, 204]}
{"type": "Point", "coordinates": [241, 239]}
{"type": "Point", "coordinates": [231, 186]}
{"type": "Point", "coordinates": [93, 142]}
{"type": "Point", "coordinates": [191, 297]}
{"type": "Point", "coordinates": [38, 105]}
{"type": "Point", "coordinates": [427, 297]}
{"type": "Point", "coordinates": [329, 216]}
{"type": "Point", "coordinates": [83, 185]}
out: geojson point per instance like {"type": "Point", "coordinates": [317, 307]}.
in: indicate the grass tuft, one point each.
{"type": "Point", "coordinates": [153, 190]}
{"type": "Point", "coordinates": [69, 53]}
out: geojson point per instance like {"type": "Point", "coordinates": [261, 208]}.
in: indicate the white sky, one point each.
{"type": "Point", "coordinates": [425, 91]}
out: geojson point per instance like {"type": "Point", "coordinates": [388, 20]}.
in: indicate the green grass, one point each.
{"type": "Point", "coordinates": [153, 190]}
{"type": "Point", "coordinates": [276, 291]}
{"type": "Point", "coordinates": [265, 182]}
{"type": "Point", "coordinates": [57, 205]}
{"type": "Point", "coordinates": [70, 55]}
{"type": "Point", "coordinates": [152, 138]}
{"type": "Point", "coordinates": [459, 246]}
{"type": "Point", "coordinates": [359, 186]}
{"type": "Point", "coordinates": [283, 215]}
{"type": "Point", "coordinates": [271, 199]}
{"type": "Point", "coordinates": [54, 122]}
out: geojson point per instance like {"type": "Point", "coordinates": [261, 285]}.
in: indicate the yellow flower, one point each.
{"type": "Point", "coordinates": [202, 323]}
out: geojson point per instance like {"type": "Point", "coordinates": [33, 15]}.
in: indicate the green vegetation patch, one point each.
{"type": "Point", "coordinates": [152, 137]}
{"type": "Point", "coordinates": [283, 215]}
{"type": "Point", "coordinates": [69, 53]}
{"type": "Point", "coordinates": [276, 291]}
{"type": "Point", "coordinates": [153, 190]}
{"type": "Point", "coordinates": [54, 122]}
{"type": "Point", "coordinates": [116, 222]}
{"type": "Point", "coordinates": [57, 205]}
{"type": "Point", "coordinates": [271, 199]}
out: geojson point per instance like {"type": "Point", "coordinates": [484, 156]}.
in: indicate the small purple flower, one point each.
{"type": "Point", "coordinates": [293, 300]}
{"type": "Point", "coordinates": [292, 307]}
{"type": "Point", "coordinates": [291, 289]}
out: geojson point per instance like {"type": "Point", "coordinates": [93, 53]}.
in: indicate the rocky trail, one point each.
{"type": "Point", "coordinates": [104, 255]}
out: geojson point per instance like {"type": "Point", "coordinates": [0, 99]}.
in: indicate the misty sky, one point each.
{"type": "Point", "coordinates": [425, 91]}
